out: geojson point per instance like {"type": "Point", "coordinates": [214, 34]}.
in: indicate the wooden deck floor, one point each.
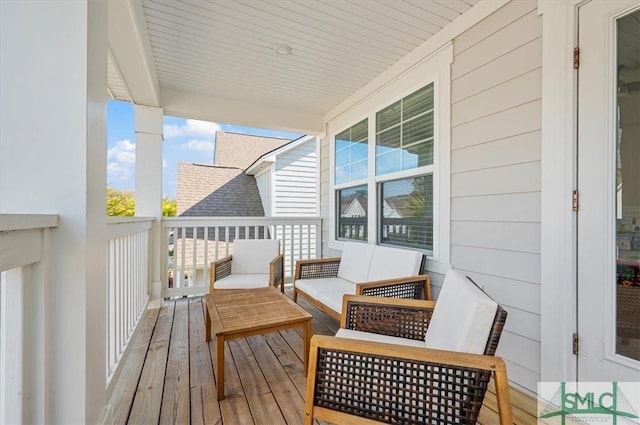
{"type": "Point", "coordinates": [168, 377]}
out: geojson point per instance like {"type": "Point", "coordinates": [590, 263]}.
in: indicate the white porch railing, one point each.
{"type": "Point", "coordinates": [128, 250]}
{"type": "Point", "coordinates": [194, 242]}
{"type": "Point", "coordinates": [24, 247]}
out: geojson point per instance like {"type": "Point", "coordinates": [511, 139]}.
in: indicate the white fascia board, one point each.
{"type": "Point", "coordinates": [270, 157]}
{"type": "Point", "coordinates": [259, 167]}
{"type": "Point", "coordinates": [131, 51]}
{"type": "Point", "coordinates": [219, 109]}
{"type": "Point", "coordinates": [471, 17]}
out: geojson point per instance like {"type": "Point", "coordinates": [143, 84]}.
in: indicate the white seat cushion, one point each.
{"type": "Point", "coordinates": [368, 336]}
{"type": "Point", "coordinates": [392, 263]}
{"type": "Point", "coordinates": [252, 256]}
{"type": "Point", "coordinates": [355, 261]}
{"type": "Point", "coordinates": [333, 299]}
{"type": "Point", "coordinates": [462, 318]}
{"type": "Point", "coordinates": [314, 287]}
{"type": "Point", "coordinates": [243, 281]}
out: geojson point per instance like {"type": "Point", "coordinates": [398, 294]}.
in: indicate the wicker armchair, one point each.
{"type": "Point", "coordinates": [255, 263]}
{"type": "Point", "coordinates": [365, 381]}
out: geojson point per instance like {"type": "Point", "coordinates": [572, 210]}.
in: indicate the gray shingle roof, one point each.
{"type": "Point", "coordinates": [206, 190]}
{"type": "Point", "coordinates": [224, 190]}
{"type": "Point", "coordinates": [241, 150]}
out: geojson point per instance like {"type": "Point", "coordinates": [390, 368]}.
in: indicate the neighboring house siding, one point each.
{"type": "Point", "coordinates": [295, 195]}
{"type": "Point", "coordinates": [295, 182]}
{"type": "Point", "coordinates": [264, 188]}
{"type": "Point", "coordinates": [495, 173]}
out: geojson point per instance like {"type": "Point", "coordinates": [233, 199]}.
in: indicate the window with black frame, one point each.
{"type": "Point", "coordinates": [352, 207]}
{"type": "Point", "coordinates": [351, 166]}
{"type": "Point", "coordinates": [406, 211]}
{"type": "Point", "coordinates": [404, 144]}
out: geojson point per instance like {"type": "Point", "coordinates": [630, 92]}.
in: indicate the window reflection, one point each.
{"type": "Point", "coordinates": [628, 189]}
{"type": "Point", "coordinates": [352, 207]}
{"type": "Point", "coordinates": [407, 212]}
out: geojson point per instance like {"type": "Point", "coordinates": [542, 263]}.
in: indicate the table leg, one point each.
{"type": "Point", "coordinates": [307, 343]}
{"type": "Point", "coordinates": [220, 366]}
{"type": "Point", "coordinates": [207, 324]}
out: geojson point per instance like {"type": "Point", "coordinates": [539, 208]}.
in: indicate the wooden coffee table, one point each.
{"type": "Point", "coordinates": [240, 313]}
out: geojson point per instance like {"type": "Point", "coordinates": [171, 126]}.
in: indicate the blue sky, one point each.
{"type": "Point", "coordinates": [185, 140]}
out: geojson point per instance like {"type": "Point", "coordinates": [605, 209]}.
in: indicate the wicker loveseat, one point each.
{"type": "Point", "coordinates": [400, 361]}
{"type": "Point", "coordinates": [363, 269]}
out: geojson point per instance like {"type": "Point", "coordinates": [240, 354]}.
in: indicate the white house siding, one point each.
{"type": "Point", "coordinates": [495, 205]}
{"type": "Point", "coordinates": [263, 181]}
{"type": "Point", "coordinates": [295, 192]}
{"type": "Point", "coordinates": [495, 173]}
{"type": "Point", "coordinates": [325, 193]}
{"type": "Point", "coordinates": [295, 181]}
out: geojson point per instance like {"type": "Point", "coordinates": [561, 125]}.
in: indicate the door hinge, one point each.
{"type": "Point", "coordinates": [575, 200]}
{"type": "Point", "coordinates": [576, 57]}
{"type": "Point", "coordinates": [575, 344]}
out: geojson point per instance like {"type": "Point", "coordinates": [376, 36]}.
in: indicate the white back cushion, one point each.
{"type": "Point", "coordinates": [253, 255]}
{"type": "Point", "coordinates": [354, 262]}
{"type": "Point", "coordinates": [390, 263]}
{"type": "Point", "coordinates": [463, 316]}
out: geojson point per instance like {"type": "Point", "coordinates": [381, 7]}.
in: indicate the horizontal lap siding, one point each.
{"type": "Point", "coordinates": [325, 193]}
{"type": "Point", "coordinates": [495, 173]}
{"type": "Point", "coordinates": [295, 182]}
{"type": "Point", "coordinates": [264, 188]}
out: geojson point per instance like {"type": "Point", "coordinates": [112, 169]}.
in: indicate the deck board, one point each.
{"type": "Point", "coordinates": [148, 396]}
{"type": "Point", "coordinates": [169, 375]}
{"type": "Point", "coordinates": [124, 391]}
{"type": "Point", "coordinates": [176, 396]}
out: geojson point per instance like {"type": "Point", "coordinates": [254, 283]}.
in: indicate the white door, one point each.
{"type": "Point", "coordinates": [608, 248]}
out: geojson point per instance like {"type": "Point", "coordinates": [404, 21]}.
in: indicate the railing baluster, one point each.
{"type": "Point", "coordinates": [193, 281]}
{"type": "Point", "coordinates": [205, 276]}
{"type": "Point", "coordinates": [226, 241]}
{"type": "Point", "coordinates": [217, 239]}
{"type": "Point", "coordinates": [299, 239]}
{"type": "Point", "coordinates": [183, 254]}
{"type": "Point", "coordinates": [127, 284]}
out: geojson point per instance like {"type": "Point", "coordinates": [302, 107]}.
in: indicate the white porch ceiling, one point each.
{"type": "Point", "coordinates": [216, 59]}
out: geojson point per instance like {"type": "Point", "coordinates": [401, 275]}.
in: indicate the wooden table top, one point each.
{"type": "Point", "coordinates": [236, 311]}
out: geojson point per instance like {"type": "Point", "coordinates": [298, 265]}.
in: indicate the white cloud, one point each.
{"type": "Point", "coordinates": [191, 128]}
{"type": "Point", "coordinates": [198, 145]}
{"type": "Point", "coordinates": [121, 160]}
{"type": "Point", "coordinates": [164, 164]}
{"type": "Point", "coordinates": [116, 171]}
{"type": "Point", "coordinates": [123, 152]}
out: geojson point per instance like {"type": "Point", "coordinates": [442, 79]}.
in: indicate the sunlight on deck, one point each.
{"type": "Point", "coordinates": [168, 376]}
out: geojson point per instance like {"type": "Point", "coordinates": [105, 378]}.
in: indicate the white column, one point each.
{"type": "Point", "coordinates": [148, 128]}
{"type": "Point", "coordinates": [53, 160]}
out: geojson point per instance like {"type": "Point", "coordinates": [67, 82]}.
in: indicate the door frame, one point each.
{"type": "Point", "coordinates": [559, 173]}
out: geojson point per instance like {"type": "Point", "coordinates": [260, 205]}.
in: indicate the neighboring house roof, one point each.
{"type": "Point", "coordinates": [223, 189]}
{"type": "Point", "coordinates": [209, 190]}
{"type": "Point", "coordinates": [241, 150]}
{"type": "Point", "coordinates": [270, 157]}
{"type": "Point", "coordinates": [354, 205]}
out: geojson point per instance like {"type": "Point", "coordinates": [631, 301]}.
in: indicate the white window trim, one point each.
{"type": "Point", "coordinates": [437, 68]}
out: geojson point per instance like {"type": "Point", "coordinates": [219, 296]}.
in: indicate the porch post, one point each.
{"type": "Point", "coordinates": [53, 161]}
{"type": "Point", "coordinates": [148, 129]}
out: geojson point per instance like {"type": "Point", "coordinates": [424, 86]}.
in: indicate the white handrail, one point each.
{"type": "Point", "coordinates": [24, 247]}
{"type": "Point", "coordinates": [194, 242]}
{"type": "Point", "coordinates": [128, 248]}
